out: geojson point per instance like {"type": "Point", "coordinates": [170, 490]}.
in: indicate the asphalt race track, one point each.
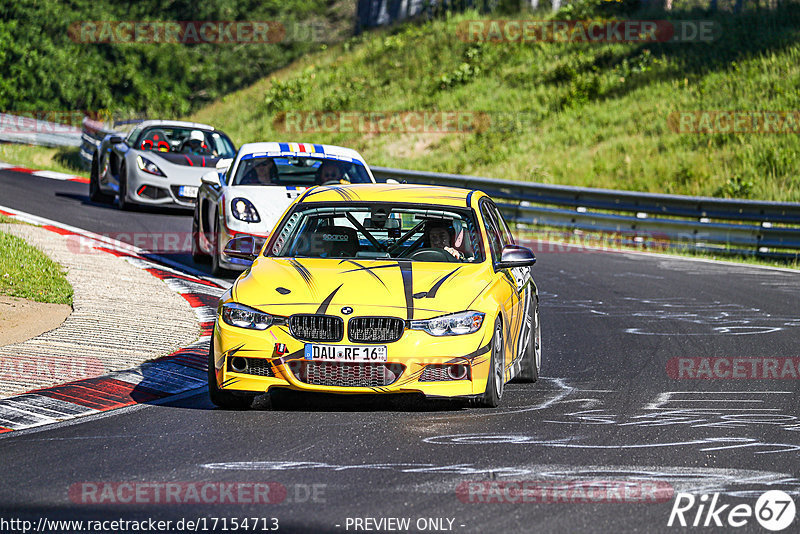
{"type": "Point", "coordinates": [611, 408]}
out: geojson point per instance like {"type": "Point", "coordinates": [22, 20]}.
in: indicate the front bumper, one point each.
{"type": "Point", "coordinates": [152, 190]}
{"type": "Point", "coordinates": [413, 353]}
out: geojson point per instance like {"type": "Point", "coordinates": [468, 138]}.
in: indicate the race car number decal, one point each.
{"type": "Point", "coordinates": [345, 353]}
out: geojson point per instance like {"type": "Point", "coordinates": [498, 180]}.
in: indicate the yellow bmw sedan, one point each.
{"type": "Point", "coordinates": [379, 288]}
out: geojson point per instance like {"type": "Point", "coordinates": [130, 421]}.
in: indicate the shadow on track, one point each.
{"type": "Point", "coordinates": [135, 208]}
{"type": "Point", "coordinates": [290, 400]}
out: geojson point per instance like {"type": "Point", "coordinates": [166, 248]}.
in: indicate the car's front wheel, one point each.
{"type": "Point", "coordinates": [216, 251]}
{"type": "Point", "coordinates": [494, 385]}
{"type": "Point", "coordinates": [197, 253]}
{"type": "Point", "coordinates": [95, 194]}
{"type": "Point", "coordinates": [532, 360]}
{"type": "Point", "coordinates": [224, 399]}
{"type": "Point", "coordinates": [124, 203]}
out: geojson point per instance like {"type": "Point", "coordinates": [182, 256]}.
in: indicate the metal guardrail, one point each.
{"type": "Point", "coordinates": [722, 225]}
{"type": "Point", "coordinates": [92, 133]}
{"type": "Point", "coordinates": [701, 223]}
{"type": "Point", "coordinates": [32, 131]}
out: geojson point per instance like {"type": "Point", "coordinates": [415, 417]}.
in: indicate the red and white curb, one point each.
{"type": "Point", "coordinates": [53, 175]}
{"type": "Point", "coordinates": [181, 371]}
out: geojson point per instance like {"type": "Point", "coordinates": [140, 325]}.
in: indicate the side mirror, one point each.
{"type": "Point", "coordinates": [241, 248]}
{"type": "Point", "coordinates": [516, 256]}
{"type": "Point", "coordinates": [116, 140]}
{"type": "Point", "coordinates": [391, 181]}
{"type": "Point", "coordinates": [223, 164]}
{"type": "Point", "coordinates": [211, 178]}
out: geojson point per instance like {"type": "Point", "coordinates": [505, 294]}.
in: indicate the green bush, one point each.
{"type": "Point", "coordinates": [44, 70]}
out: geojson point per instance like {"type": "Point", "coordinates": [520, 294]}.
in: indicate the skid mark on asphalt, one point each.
{"type": "Point", "coordinates": [706, 444]}
{"type": "Point", "coordinates": [697, 317]}
{"type": "Point", "coordinates": [695, 414]}
{"type": "Point", "coordinates": [739, 482]}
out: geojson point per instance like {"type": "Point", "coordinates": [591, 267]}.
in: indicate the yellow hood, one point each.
{"type": "Point", "coordinates": [405, 289]}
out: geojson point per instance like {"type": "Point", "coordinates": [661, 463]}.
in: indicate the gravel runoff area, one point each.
{"type": "Point", "coordinates": [122, 316]}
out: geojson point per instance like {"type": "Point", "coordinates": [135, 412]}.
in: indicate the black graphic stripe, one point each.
{"type": "Point", "coordinates": [229, 382]}
{"type": "Point", "coordinates": [367, 269]}
{"type": "Point", "coordinates": [305, 274]}
{"type": "Point", "coordinates": [478, 295]}
{"type": "Point", "coordinates": [477, 352]}
{"type": "Point", "coordinates": [230, 352]}
{"type": "Point", "coordinates": [323, 307]}
{"type": "Point", "coordinates": [408, 290]}
{"type": "Point", "coordinates": [432, 291]}
{"type": "Point", "coordinates": [341, 191]}
{"type": "Point", "coordinates": [284, 330]}
{"type": "Point", "coordinates": [409, 187]}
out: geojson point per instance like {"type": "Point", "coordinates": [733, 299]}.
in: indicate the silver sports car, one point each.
{"type": "Point", "coordinates": [158, 163]}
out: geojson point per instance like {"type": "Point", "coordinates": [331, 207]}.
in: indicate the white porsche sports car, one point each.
{"type": "Point", "coordinates": [247, 195]}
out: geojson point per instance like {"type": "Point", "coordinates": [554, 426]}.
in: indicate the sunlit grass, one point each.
{"type": "Point", "coordinates": [582, 114]}
{"type": "Point", "coordinates": [26, 272]}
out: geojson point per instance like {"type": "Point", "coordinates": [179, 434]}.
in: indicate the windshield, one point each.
{"type": "Point", "coordinates": [184, 140]}
{"type": "Point", "coordinates": [380, 231]}
{"type": "Point", "coordinates": [291, 170]}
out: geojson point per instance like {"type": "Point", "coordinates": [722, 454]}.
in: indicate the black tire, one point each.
{"type": "Point", "coordinates": [95, 194]}
{"type": "Point", "coordinates": [124, 203]}
{"type": "Point", "coordinates": [494, 386]}
{"type": "Point", "coordinates": [197, 253]}
{"type": "Point", "coordinates": [532, 360]}
{"type": "Point", "coordinates": [220, 398]}
{"type": "Point", "coordinates": [216, 268]}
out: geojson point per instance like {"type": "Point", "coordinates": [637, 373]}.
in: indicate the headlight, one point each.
{"type": "Point", "coordinates": [148, 166]}
{"type": "Point", "coordinates": [244, 210]}
{"type": "Point", "coordinates": [456, 324]}
{"type": "Point", "coordinates": [245, 317]}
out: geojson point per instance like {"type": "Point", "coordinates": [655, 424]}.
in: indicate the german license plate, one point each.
{"type": "Point", "coordinates": [188, 191]}
{"type": "Point", "coordinates": [345, 353]}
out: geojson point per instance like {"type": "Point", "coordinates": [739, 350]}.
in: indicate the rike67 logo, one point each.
{"type": "Point", "coordinates": [774, 510]}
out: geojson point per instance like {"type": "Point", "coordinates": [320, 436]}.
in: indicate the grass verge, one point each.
{"type": "Point", "coordinates": [65, 159]}
{"type": "Point", "coordinates": [26, 272]}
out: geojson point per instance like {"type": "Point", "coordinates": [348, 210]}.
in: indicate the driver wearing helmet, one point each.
{"type": "Point", "coordinates": [195, 144]}
{"type": "Point", "coordinates": [263, 172]}
{"type": "Point", "coordinates": [441, 234]}
{"type": "Point", "coordinates": [329, 172]}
